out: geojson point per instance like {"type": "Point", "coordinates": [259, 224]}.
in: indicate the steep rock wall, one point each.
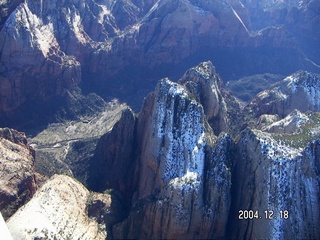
{"type": "Point", "coordinates": [17, 174]}
{"type": "Point", "coordinates": [184, 170]}
{"type": "Point", "coordinates": [280, 184]}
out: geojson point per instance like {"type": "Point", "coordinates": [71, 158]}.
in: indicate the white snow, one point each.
{"type": "Point", "coordinates": [179, 125]}
{"type": "Point", "coordinates": [4, 232]}
{"type": "Point", "coordinates": [57, 211]}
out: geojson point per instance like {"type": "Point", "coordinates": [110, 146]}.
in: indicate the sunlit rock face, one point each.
{"type": "Point", "coordinates": [184, 184]}
{"type": "Point", "coordinates": [4, 231]}
{"type": "Point", "coordinates": [281, 180]}
{"type": "Point", "coordinates": [17, 174]}
{"type": "Point", "coordinates": [32, 65]}
{"type": "Point", "coordinates": [58, 210]}
{"type": "Point", "coordinates": [206, 86]}
{"type": "Point", "coordinates": [298, 91]}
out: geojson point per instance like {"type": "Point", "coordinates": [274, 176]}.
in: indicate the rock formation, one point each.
{"type": "Point", "coordinates": [184, 175]}
{"type": "Point", "coordinates": [278, 183]}
{"type": "Point", "coordinates": [180, 169]}
{"type": "Point", "coordinates": [298, 91]}
{"type": "Point", "coordinates": [113, 163]}
{"type": "Point", "coordinates": [6, 8]}
{"type": "Point", "coordinates": [17, 174]}
{"type": "Point", "coordinates": [50, 48]}
{"type": "Point", "coordinates": [206, 86]}
{"type": "Point", "coordinates": [58, 210]}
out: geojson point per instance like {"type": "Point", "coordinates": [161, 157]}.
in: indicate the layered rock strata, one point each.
{"type": "Point", "coordinates": [48, 48]}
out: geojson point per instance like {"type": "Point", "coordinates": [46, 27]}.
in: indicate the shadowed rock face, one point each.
{"type": "Point", "coordinates": [113, 163]}
{"type": "Point", "coordinates": [6, 8]}
{"type": "Point", "coordinates": [48, 48]}
{"type": "Point", "coordinates": [16, 171]}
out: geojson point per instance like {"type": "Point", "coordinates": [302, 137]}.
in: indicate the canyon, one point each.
{"type": "Point", "coordinates": [173, 171]}
{"type": "Point", "coordinates": [126, 119]}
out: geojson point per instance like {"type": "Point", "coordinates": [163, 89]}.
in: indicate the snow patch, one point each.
{"type": "Point", "coordinates": [180, 131]}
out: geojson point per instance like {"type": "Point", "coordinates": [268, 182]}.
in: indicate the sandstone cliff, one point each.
{"type": "Point", "coordinates": [275, 179]}
{"type": "Point", "coordinates": [177, 170]}
{"type": "Point", "coordinates": [113, 163]}
{"type": "Point", "coordinates": [206, 86]}
{"type": "Point", "coordinates": [17, 173]}
{"type": "Point", "coordinates": [184, 175]}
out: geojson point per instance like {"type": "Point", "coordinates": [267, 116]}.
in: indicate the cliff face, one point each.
{"type": "Point", "coordinates": [32, 65]}
{"type": "Point", "coordinates": [179, 169]}
{"type": "Point", "coordinates": [280, 184]}
{"type": "Point", "coordinates": [48, 48]}
{"type": "Point", "coordinates": [113, 163]}
{"type": "Point", "coordinates": [184, 176]}
{"type": "Point", "coordinates": [17, 174]}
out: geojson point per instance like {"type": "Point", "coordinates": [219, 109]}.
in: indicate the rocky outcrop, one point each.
{"type": "Point", "coordinates": [17, 174]}
{"type": "Point", "coordinates": [279, 185]}
{"type": "Point", "coordinates": [298, 91]}
{"type": "Point", "coordinates": [206, 87]}
{"type": "Point", "coordinates": [58, 210]}
{"type": "Point", "coordinates": [32, 65]}
{"type": "Point", "coordinates": [113, 163]}
{"type": "Point", "coordinates": [184, 175]}
{"type": "Point", "coordinates": [290, 124]}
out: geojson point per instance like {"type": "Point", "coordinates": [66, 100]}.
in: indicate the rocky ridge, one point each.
{"type": "Point", "coordinates": [177, 170]}
{"type": "Point", "coordinates": [176, 145]}
{"type": "Point", "coordinates": [274, 182]}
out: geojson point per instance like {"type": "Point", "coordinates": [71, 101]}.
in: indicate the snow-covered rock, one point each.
{"type": "Point", "coordinates": [299, 91]}
{"type": "Point", "coordinates": [290, 124]}
{"type": "Point", "coordinates": [280, 184]}
{"type": "Point", "coordinates": [184, 175]}
{"type": "Point", "coordinates": [57, 211]}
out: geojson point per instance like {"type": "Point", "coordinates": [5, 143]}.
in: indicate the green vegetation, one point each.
{"type": "Point", "coordinates": [310, 131]}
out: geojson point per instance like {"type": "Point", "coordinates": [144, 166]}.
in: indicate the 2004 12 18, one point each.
{"type": "Point", "coordinates": [267, 214]}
